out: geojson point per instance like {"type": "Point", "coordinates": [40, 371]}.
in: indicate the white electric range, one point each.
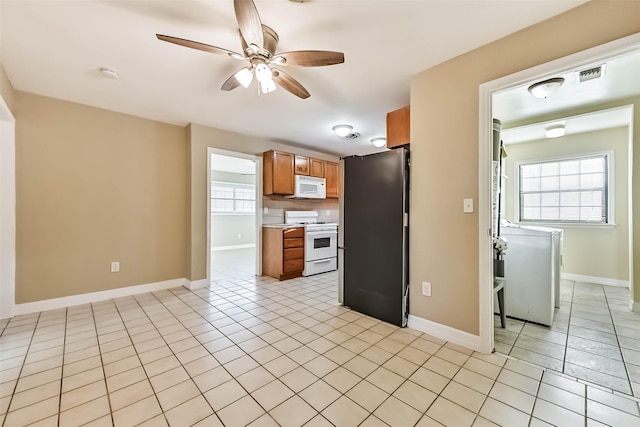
{"type": "Point", "coordinates": [320, 242]}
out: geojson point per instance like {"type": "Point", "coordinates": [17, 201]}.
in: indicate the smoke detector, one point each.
{"type": "Point", "coordinates": [109, 73]}
{"type": "Point", "coordinates": [591, 73]}
{"type": "Point", "coordinates": [352, 135]}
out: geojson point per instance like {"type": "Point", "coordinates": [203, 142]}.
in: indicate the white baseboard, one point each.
{"type": "Point", "coordinates": [56, 303]}
{"type": "Point", "coordinates": [228, 248]}
{"type": "Point", "coordinates": [595, 279]}
{"type": "Point", "coordinates": [196, 284]}
{"type": "Point", "coordinates": [444, 332]}
{"type": "Point", "coordinates": [634, 306]}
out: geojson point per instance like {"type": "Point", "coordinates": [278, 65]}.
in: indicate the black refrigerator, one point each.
{"type": "Point", "coordinates": [373, 240]}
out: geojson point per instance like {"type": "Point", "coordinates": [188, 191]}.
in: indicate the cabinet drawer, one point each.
{"type": "Point", "coordinates": [293, 232]}
{"type": "Point", "coordinates": [293, 253]}
{"type": "Point", "coordinates": [292, 265]}
{"type": "Point", "coordinates": [293, 243]}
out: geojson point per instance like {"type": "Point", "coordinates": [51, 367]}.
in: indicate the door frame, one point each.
{"type": "Point", "coordinates": [258, 219]}
{"type": "Point", "coordinates": [485, 249]}
{"type": "Point", "coordinates": [7, 211]}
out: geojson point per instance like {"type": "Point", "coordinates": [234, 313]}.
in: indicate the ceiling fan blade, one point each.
{"type": "Point", "coordinates": [311, 58]}
{"type": "Point", "coordinates": [199, 46]}
{"type": "Point", "coordinates": [290, 84]}
{"type": "Point", "coordinates": [249, 22]}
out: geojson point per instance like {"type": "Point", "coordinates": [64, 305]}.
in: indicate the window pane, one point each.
{"type": "Point", "coordinates": [570, 199]}
{"type": "Point", "coordinates": [228, 197]}
{"type": "Point", "coordinates": [550, 169]}
{"type": "Point", "coordinates": [570, 167]}
{"type": "Point", "coordinates": [549, 183]}
{"type": "Point", "coordinates": [527, 171]}
{"type": "Point", "coordinates": [570, 213]}
{"type": "Point", "coordinates": [531, 199]}
{"type": "Point", "coordinates": [550, 213]}
{"type": "Point", "coordinates": [530, 184]}
{"type": "Point", "coordinates": [569, 182]}
{"type": "Point", "coordinates": [567, 190]}
{"type": "Point", "coordinates": [531, 213]}
{"type": "Point", "coordinates": [550, 199]}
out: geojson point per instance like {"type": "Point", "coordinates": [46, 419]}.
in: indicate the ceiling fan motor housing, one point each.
{"type": "Point", "coordinates": [270, 40]}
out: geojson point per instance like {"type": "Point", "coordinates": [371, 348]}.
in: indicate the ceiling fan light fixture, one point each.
{"type": "Point", "coordinates": [268, 86]}
{"type": "Point", "coordinates": [379, 142]}
{"type": "Point", "coordinates": [342, 130]}
{"type": "Point", "coordinates": [546, 87]}
{"type": "Point", "coordinates": [555, 131]}
{"type": "Point", "coordinates": [244, 77]}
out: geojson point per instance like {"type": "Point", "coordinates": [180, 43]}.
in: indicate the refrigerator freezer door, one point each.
{"type": "Point", "coordinates": [375, 236]}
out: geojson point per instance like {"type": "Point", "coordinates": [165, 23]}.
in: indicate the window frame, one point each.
{"type": "Point", "coordinates": [610, 189]}
{"type": "Point", "coordinates": [233, 185]}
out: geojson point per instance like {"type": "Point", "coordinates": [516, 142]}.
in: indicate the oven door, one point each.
{"type": "Point", "coordinates": [320, 245]}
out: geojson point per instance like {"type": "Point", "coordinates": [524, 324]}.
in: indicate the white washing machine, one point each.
{"type": "Point", "coordinates": [532, 272]}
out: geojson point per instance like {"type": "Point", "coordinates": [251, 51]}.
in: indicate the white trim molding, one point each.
{"type": "Point", "coordinates": [597, 280]}
{"type": "Point", "coordinates": [634, 306]}
{"type": "Point", "coordinates": [62, 302]}
{"type": "Point", "coordinates": [446, 333]}
{"type": "Point", "coordinates": [485, 258]}
{"type": "Point", "coordinates": [7, 211]}
{"type": "Point", "coordinates": [196, 284]}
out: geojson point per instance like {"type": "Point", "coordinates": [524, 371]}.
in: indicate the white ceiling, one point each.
{"type": "Point", "coordinates": [54, 48]}
{"type": "Point", "coordinates": [619, 80]}
{"type": "Point", "coordinates": [223, 163]}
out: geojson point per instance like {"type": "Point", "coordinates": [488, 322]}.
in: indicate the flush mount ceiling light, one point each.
{"type": "Point", "coordinates": [109, 73]}
{"type": "Point", "coordinates": [379, 142]}
{"type": "Point", "coordinates": [342, 130]}
{"type": "Point", "coordinates": [546, 87]}
{"type": "Point", "coordinates": [555, 131]}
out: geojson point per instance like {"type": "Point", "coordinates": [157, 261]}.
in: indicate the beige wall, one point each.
{"type": "Point", "coordinates": [589, 251]}
{"type": "Point", "coordinates": [6, 89]}
{"type": "Point", "coordinates": [200, 138]}
{"type": "Point", "coordinates": [94, 186]}
{"type": "Point", "coordinates": [444, 145]}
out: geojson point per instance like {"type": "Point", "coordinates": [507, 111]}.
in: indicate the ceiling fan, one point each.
{"type": "Point", "coordinates": [259, 49]}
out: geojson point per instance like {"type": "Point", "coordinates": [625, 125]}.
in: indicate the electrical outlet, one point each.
{"type": "Point", "coordinates": [115, 266]}
{"type": "Point", "coordinates": [426, 289]}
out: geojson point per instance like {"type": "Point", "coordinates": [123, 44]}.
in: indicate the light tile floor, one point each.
{"type": "Point", "coordinates": [594, 337]}
{"type": "Point", "coordinates": [254, 351]}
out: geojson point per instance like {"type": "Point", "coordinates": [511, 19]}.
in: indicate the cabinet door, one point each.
{"type": "Point", "coordinates": [282, 173]}
{"type": "Point", "coordinates": [302, 165]}
{"type": "Point", "coordinates": [331, 174]}
{"type": "Point", "coordinates": [316, 168]}
{"type": "Point", "coordinates": [398, 127]}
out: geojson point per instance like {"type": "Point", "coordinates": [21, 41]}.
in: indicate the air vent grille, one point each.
{"type": "Point", "coordinates": [590, 74]}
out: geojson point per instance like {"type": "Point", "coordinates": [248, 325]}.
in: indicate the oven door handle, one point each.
{"type": "Point", "coordinates": [317, 233]}
{"type": "Point", "coordinates": [321, 261]}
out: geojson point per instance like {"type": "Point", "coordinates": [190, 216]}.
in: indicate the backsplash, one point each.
{"type": "Point", "coordinates": [276, 206]}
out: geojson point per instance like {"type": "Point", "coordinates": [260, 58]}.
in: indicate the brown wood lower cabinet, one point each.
{"type": "Point", "coordinates": [282, 252]}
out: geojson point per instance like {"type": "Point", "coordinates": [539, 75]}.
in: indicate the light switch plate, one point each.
{"type": "Point", "coordinates": [468, 205]}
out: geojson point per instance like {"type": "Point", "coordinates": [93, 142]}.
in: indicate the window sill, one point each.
{"type": "Point", "coordinates": [567, 225]}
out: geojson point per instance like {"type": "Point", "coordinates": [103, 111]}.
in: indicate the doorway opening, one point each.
{"type": "Point", "coordinates": [594, 324]}
{"type": "Point", "coordinates": [233, 218]}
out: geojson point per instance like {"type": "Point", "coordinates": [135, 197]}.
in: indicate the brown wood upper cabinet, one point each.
{"type": "Point", "coordinates": [309, 166]}
{"type": "Point", "coordinates": [302, 165]}
{"type": "Point", "coordinates": [331, 174]}
{"type": "Point", "coordinates": [316, 168]}
{"type": "Point", "coordinates": [278, 168]}
{"type": "Point", "coordinates": [398, 127]}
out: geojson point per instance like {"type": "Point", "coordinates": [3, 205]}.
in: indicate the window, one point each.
{"type": "Point", "coordinates": [572, 190]}
{"type": "Point", "coordinates": [230, 197]}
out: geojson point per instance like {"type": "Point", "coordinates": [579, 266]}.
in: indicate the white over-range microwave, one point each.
{"type": "Point", "coordinates": [310, 187]}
